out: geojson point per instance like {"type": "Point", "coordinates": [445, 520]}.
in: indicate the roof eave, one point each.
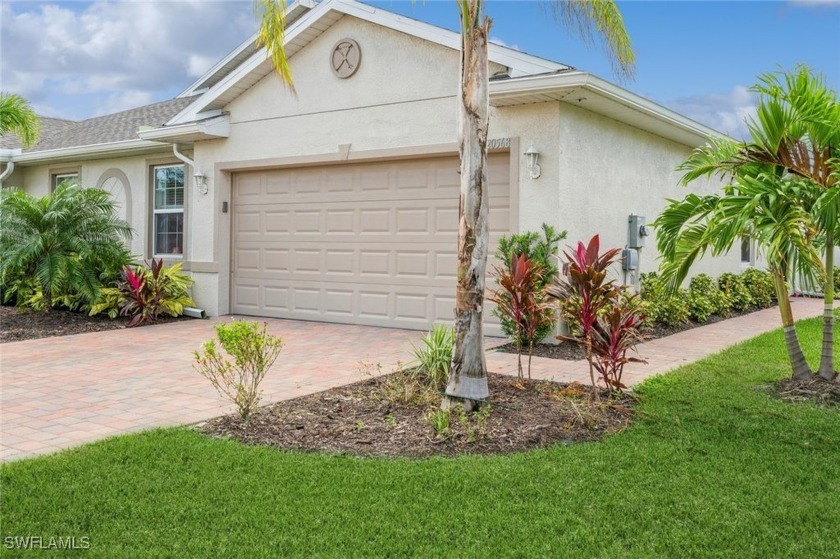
{"type": "Point", "coordinates": [111, 149]}
{"type": "Point", "coordinates": [604, 98]}
{"type": "Point", "coordinates": [210, 129]}
{"type": "Point", "coordinates": [216, 97]}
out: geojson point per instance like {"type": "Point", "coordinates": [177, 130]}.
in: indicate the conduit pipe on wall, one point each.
{"type": "Point", "coordinates": [10, 167]}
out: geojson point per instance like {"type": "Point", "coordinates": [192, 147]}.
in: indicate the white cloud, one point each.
{"type": "Point", "coordinates": [815, 3]}
{"type": "Point", "coordinates": [120, 51]}
{"type": "Point", "coordinates": [117, 102]}
{"type": "Point", "coordinates": [724, 112]}
{"type": "Point", "coordinates": [500, 42]}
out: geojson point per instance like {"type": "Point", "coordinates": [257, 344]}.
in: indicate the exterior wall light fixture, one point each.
{"type": "Point", "coordinates": [532, 162]}
{"type": "Point", "coordinates": [200, 182]}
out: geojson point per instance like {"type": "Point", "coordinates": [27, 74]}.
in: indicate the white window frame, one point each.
{"type": "Point", "coordinates": [156, 212]}
{"type": "Point", "coordinates": [61, 176]}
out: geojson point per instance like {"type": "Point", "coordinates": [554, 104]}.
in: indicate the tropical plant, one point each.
{"type": "Point", "coordinates": [18, 118]}
{"type": "Point", "coordinates": [468, 375]}
{"type": "Point", "coordinates": [61, 240]}
{"type": "Point", "coordinates": [435, 355]}
{"type": "Point", "coordinates": [586, 293]}
{"type": "Point", "coordinates": [734, 288]}
{"type": "Point", "coordinates": [253, 351]}
{"type": "Point", "coordinates": [523, 302]}
{"type": "Point", "coordinates": [660, 305]}
{"type": "Point", "coordinates": [146, 292]}
{"type": "Point", "coordinates": [617, 331]}
{"type": "Point", "coordinates": [538, 247]}
{"type": "Point", "coordinates": [783, 192]}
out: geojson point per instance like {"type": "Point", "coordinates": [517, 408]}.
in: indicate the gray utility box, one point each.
{"type": "Point", "coordinates": [636, 231]}
{"type": "Point", "coordinates": [629, 259]}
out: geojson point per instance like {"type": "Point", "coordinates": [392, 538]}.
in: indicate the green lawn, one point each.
{"type": "Point", "coordinates": [712, 468]}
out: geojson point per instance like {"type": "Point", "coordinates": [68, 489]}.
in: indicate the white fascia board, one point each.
{"type": "Point", "coordinates": [9, 154]}
{"type": "Point", "coordinates": [519, 62]}
{"type": "Point", "coordinates": [507, 89]}
{"type": "Point", "coordinates": [293, 11]}
{"type": "Point", "coordinates": [218, 127]}
{"type": "Point", "coordinates": [191, 112]}
{"type": "Point", "coordinates": [646, 106]}
{"type": "Point", "coordinates": [126, 147]}
{"type": "Point", "coordinates": [195, 87]}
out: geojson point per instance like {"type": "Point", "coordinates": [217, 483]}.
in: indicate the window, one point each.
{"type": "Point", "coordinates": [168, 226]}
{"type": "Point", "coordinates": [58, 178]}
{"type": "Point", "coordinates": [746, 250]}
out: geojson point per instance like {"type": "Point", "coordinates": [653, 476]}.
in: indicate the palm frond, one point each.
{"type": "Point", "coordinates": [601, 18]}
{"type": "Point", "coordinates": [272, 36]}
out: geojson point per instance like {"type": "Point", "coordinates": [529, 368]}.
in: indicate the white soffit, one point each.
{"type": "Point", "coordinates": [210, 129]}
{"type": "Point", "coordinates": [601, 97]}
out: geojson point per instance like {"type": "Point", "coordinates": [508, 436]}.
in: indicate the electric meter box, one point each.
{"type": "Point", "coordinates": [629, 259]}
{"type": "Point", "coordinates": [636, 231]}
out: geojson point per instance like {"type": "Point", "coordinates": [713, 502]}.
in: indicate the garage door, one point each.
{"type": "Point", "coordinates": [371, 243]}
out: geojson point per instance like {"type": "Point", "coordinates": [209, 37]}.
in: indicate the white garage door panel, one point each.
{"type": "Point", "coordinates": [367, 243]}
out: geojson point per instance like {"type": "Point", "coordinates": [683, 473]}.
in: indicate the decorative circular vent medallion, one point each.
{"type": "Point", "coordinates": [345, 58]}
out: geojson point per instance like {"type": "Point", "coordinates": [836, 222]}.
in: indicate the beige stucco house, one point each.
{"type": "Point", "coordinates": [339, 203]}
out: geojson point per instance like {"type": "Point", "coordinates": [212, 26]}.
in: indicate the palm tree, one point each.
{"type": "Point", "coordinates": [18, 118]}
{"type": "Point", "coordinates": [468, 374]}
{"type": "Point", "coordinates": [786, 180]}
{"type": "Point", "coordinates": [62, 240]}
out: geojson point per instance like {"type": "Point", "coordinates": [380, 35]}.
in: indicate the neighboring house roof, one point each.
{"type": "Point", "coordinates": [49, 127]}
{"type": "Point", "coordinates": [117, 127]}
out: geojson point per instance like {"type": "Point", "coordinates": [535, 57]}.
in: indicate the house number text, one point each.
{"type": "Point", "coordinates": [498, 143]}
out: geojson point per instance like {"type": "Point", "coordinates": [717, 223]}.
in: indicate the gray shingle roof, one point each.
{"type": "Point", "coordinates": [117, 127]}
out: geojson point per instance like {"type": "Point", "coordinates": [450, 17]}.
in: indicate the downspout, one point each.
{"type": "Point", "coordinates": [10, 167]}
{"type": "Point", "coordinates": [182, 157]}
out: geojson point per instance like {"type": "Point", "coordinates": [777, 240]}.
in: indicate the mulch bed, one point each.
{"type": "Point", "coordinates": [816, 390]}
{"type": "Point", "coordinates": [357, 419]}
{"type": "Point", "coordinates": [18, 324]}
{"type": "Point", "coordinates": [570, 351]}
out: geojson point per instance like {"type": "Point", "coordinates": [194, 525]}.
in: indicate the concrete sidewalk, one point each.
{"type": "Point", "coordinates": [64, 391]}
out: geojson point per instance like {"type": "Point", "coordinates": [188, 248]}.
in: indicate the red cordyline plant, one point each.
{"type": "Point", "coordinates": [616, 332]}
{"type": "Point", "coordinates": [521, 299]}
{"type": "Point", "coordinates": [142, 298]}
{"type": "Point", "coordinates": [605, 326]}
{"type": "Point", "coordinates": [148, 291]}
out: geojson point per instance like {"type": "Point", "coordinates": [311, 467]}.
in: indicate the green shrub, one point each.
{"type": "Point", "coordinates": [253, 350]}
{"type": "Point", "coordinates": [62, 241]}
{"type": "Point", "coordinates": [540, 248]}
{"type": "Point", "coordinates": [837, 282]}
{"type": "Point", "coordinates": [659, 305]}
{"type": "Point", "coordinates": [435, 355]}
{"type": "Point", "coordinates": [759, 284]}
{"type": "Point", "coordinates": [706, 299]}
{"type": "Point", "coordinates": [736, 290]}
{"type": "Point", "coordinates": [146, 292]}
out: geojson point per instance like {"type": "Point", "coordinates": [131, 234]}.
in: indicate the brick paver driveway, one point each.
{"type": "Point", "coordinates": [61, 392]}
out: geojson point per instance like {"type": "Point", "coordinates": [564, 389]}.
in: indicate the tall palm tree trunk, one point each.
{"type": "Point", "coordinates": [827, 359]}
{"type": "Point", "coordinates": [798, 363]}
{"type": "Point", "coordinates": [468, 374]}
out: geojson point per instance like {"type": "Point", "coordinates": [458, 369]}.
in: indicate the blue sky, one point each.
{"type": "Point", "coordinates": [81, 59]}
